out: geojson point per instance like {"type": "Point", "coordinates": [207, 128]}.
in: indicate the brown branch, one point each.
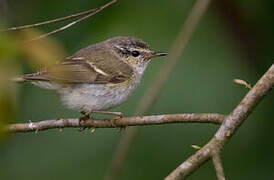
{"type": "Point", "coordinates": [217, 162]}
{"type": "Point", "coordinates": [228, 128]}
{"type": "Point", "coordinates": [48, 22]}
{"type": "Point", "coordinates": [127, 121]}
{"type": "Point", "coordinates": [149, 97]}
{"type": "Point", "coordinates": [97, 10]}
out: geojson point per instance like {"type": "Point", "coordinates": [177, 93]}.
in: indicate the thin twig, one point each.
{"type": "Point", "coordinates": [97, 10]}
{"type": "Point", "coordinates": [149, 97]}
{"type": "Point", "coordinates": [217, 162]}
{"type": "Point", "coordinates": [228, 128]}
{"type": "Point", "coordinates": [242, 82]}
{"type": "Point", "coordinates": [123, 122]}
{"type": "Point", "coordinates": [48, 22]}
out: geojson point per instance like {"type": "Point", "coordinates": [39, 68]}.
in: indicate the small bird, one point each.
{"type": "Point", "coordinates": [98, 77]}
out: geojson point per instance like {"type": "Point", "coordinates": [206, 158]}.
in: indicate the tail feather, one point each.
{"type": "Point", "coordinates": [19, 79]}
{"type": "Point", "coordinates": [29, 77]}
{"type": "Point", "coordinates": [36, 79]}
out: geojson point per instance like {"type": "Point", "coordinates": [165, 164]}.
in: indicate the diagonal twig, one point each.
{"type": "Point", "coordinates": [48, 22]}
{"type": "Point", "coordinates": [97, 10]}
{"type": "Point", "coordinates": [217, 162]}
{"type": "Point", "coordinates": [228, 128]}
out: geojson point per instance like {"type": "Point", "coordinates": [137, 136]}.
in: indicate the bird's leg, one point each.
{"type": "Point", "coordinates": [82, 119]}
{"type": "Point", "coordinates": [118, 115]}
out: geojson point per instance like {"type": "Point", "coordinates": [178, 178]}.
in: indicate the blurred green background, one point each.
{"type": "Point", "coordinates": [233, 40]}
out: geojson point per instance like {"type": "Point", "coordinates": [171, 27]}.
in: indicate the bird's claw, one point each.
{"type": "Point", "coordinates": [82, 120]}
{"type": "Point", "coordinates": [119, 115]}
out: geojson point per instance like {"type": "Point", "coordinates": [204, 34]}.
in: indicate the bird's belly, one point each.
{"type": "Point", "coordinates": [90, 97]}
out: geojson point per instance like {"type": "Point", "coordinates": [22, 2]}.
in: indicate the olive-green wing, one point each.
{"type": "Point", "coordinates": [93, 70]}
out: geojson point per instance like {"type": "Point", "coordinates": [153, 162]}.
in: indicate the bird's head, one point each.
{"type": "Point", "coordinates": [133, 51]}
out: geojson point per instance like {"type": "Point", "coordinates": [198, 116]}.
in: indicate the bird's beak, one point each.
{"type": "Point", "coordinates": [156, 54]}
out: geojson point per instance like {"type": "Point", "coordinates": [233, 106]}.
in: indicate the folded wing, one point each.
{"type": "Point", "coordinates": [76, 70]}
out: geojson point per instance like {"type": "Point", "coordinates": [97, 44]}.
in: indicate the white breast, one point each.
{"type": "Point", "coordinates": [94, 97]}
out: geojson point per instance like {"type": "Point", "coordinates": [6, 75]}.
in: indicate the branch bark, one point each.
{"type": "Point", "coordinates": [123, 122]}
{"type": "Point", "coordinates": [228, 128]}
{"type": "Point", "coordinates": [48, 22]}
{"type": "Point", "coordinates": [87, 14]}
{"type": "Point", "coordinates": [97, 10]}
{"type": "Point", "coordinates": [217, 162]}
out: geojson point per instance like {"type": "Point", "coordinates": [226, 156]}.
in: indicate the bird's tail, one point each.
{"type": "Point", "coordinates": [19, 79]}
{"type": "Point", "coordinates": [29, 78]}
{"type": "Point", "coordinates": [38, 80]}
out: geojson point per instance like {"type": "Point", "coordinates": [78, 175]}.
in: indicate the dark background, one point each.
{"type": "Point", "coordinates": [233, 40]}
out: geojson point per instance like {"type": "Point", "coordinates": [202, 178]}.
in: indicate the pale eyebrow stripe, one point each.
{"type": "Point", "coordinates": [132, 49]}
{"type": "Point", "coordinates": [78, 58]}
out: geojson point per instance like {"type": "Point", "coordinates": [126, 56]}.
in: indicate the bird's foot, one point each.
{"type": "Point", "coordinates": [113, 123]}
{"type": "Point", "coordinates": [122, 128]}
{"type": "Point", "coordinates": [82, 120]}
{"type": "Point", "coordinates": [117, 116]}
{"type": "Point", "coordinates": [113, 120]}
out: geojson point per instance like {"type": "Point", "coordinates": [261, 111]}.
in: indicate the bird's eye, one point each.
{"type": "Point", "coordinates": [135, 53]}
